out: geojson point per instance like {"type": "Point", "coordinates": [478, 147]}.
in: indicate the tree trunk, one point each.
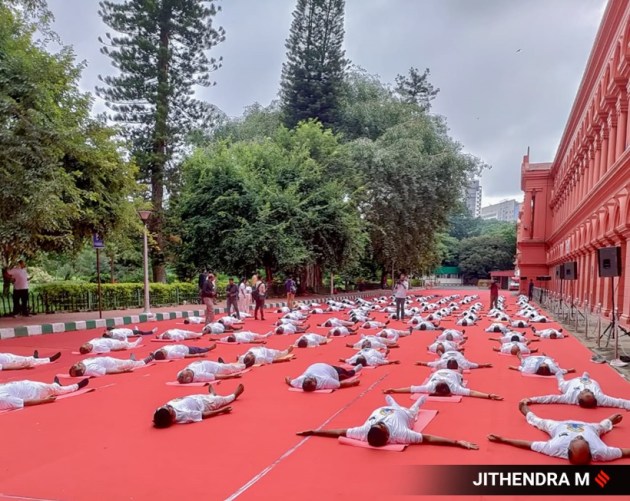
{"type": "Point", "coordinates": [384, 278]}
{"type": "Point", "coordinates": [111, 268]}
{"type": "Point", "coordinates": [268, 275]}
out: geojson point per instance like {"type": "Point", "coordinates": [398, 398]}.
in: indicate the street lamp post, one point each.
{"type": "Point", "coordinates": [144, 215]}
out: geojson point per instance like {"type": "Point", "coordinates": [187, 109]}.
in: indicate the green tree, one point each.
{"type": "Point", "coordinates": [478, 256]}
{"type": "Point", "coordinates": [161, 58]}
{"type": "Point", "coordinates": [416, 88]}
{"type": "Point", "coordinates": [312, 76]}
{"type": "Point", "coordinates": [62, 174]}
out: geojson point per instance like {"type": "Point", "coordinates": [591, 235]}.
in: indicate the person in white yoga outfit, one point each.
{"type": "Point", "coordinates": [497, 327]}
{"type": "Point", "coordinates": [452, 335]}
{"type": "Point", "coordinates": [195, 320]}
{"type": "Point", "coordinates": [100, 366]}
{"type": "Point", "coordinates": [582, 391]}
{"type": "Point", "coordinates": [322, 376]}
{"type": "Point", "coordinates": [10, 362]}
{"type": "Point", "coordinates": [373, 342]}
{"type": "Point", "coordinates": [342, 331]}
{"type": "Point", "coordinates": [373, 324]}
{"type": "Point", "coordinates": [369, 357]}
{"type": "Point", "coordinates": [220, 328]}
{"type": "Point", "coordinates": [310, 340]}
{"type": "Point", "coordinates": [285, 329]}
{"type": "Point", "coordinates": [19, 394]}
{"type": "Point", "coordinates": [179, 335]}
{"type": "Point", "coordinates": [105, 345]}
{"type": "Point", "coordinates": [548, 333]}
{"type": "Point", "coordinates": [194, 408]}
{"type": "Point", "coordinates": [336, 322]}
{"type": "Point", "coordinates": [394, 334]}
{"type": "Point", "coordinates": [392, 424]}
{"type": "Point", "coordinates": [440, 347]}
{"type": "Point", "coordinates": [514, 348]}
{"type": "Point", "coordinates": [246, 337]}
{"type": "Point", "coordinates": [262, 356]}
{"type": "Point", "coordinates": [513, 336]}
{"type": "Point", "coordinates": [577, 441]}
{"type": "Point", "coordinates": [443, 383]}
{"type": "Point", "coordinates": [179, 351]}
{"type": "Point", "coordinates": [541, 365]}
{"type": "Point", "coordinates": [453, 360]}
{"type": "Point", "coordinates": [206, 371]}
{"type": "Point", "coordinates": [122, 333]}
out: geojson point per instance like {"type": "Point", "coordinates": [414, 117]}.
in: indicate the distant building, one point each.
{"type": "Point", "coordinates": [472, 197]}
{"type": "Point", "coordinates": [503, 211]}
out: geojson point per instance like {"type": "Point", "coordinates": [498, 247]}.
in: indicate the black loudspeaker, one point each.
{"type": "Point", "coordinates": [609, 261]}
{"type": "Point", "coordinates": [523, 279]}
{"type": "Point", "coordinates": [560, 271]}
{"type": "Point", "coordinates": [570, 270]}
{"type": "Point", "coordinates": [543, 278]}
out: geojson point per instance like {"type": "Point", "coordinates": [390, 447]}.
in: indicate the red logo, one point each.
{"type": "Point", "coordinates": [602, 479]}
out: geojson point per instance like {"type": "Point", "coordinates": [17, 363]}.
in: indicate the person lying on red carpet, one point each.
{"type": "Point", "coordinates": [425, 325]}
{"type": "Point", "coordinates": [18, 394]}
{"type": "Point", "coordinates": [453, 360]}
{"type": "Point", "coordinates": [373, 324]}
{"type": "Point", "coordinates": [375, 342]}
{"type": "Point", "coordinates": [179, 335]}
{"type": "Point", "coordinates": [336, 322]}
{"type": "Point", "coordinates": [342, 331]}
{"type": "Point", "coordinates": [452, 335]}
{"type": "Point", "coordinates": [246, 337]}
{"type": "Point", "coordinates": [179, 351]}
{"type": "Point", "coordinates": [582, 391]}
{"type": "Point", "coordinates": [105, 345]}
{"type": "Point", "coordinates": [443, 383]}
{"type": "Point", "coordinates": [541, 365]}
{"type": "Point", "coordinates": [206, 370]}
{"type": "Point", "coordinates": [220, 328]}
{"type": "Point", "coordinates": [9, 361]}
{"type": "Point", "coordinates": [262, 356]}
{"type": "Point", "coordinates": [285, 321]}
{"type": "Point", "coordinates": [394, 334]}
{"type": "Point", "coordinates": [440, 347]}
{"type": "Point", "coordinates": [311, 340]}
{"type": "Point", "coordinates": [577, 441]}
{"type": "Point", "coordinates": [369, 357]}
{"type": "Point", "coordinates": [229, 320]}
{"type": "Point", "coordinates": [290, 329]}
{"type": "Point", "coordinates": [513, 336]}
{"type": "Point", "coordinates": [194, 408]}
{"type": "Point", "coordinates": [496, 327]}
{"type": "Point", "coordinates": [122, 333]}
{"type": "Point", "coordinates": [195, 320]}
{"type": "Point", "coordinates": [548, 333]}
{"type": "Point", "coordinates": [514, 347]}
{"type": "Point", "coordinates": [99, 366]}
{"type": "Point", "coordinates": [392, 424]}
{"type": "Point", "coordinates": [322, 376]}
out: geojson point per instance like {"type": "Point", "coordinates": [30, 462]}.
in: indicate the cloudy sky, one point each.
{"type": "Point", "coordinates": [508, 70]}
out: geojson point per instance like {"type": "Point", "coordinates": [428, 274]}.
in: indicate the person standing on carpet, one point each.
{"type": "Point", "coordinates": [390, 425]}
{"type": "Point", "coordinates": [9, 361]}
{"type": "Point", "coordinates": [100, 366]}
{"type": "Point", "coordinates": [208, 293]}
{"type": "Point", "coordinates": [400, 294]}
{"type": "Point", "coordinates": [259, 294]}
{"type": "Point", "coordinates": [443, 383]}
{"type": "Point", "coordinates": [194, 408]}
{"type": "Point", "coordinates": [577, 441]}
{"type": "Point", "coordinates": [324, 377]}
{"type": "Point", "coordinates": [244, 296]}
{"type": "Point", "coordinates": [231, 292]}
{"type": "Point", "coordinates": [290, 287]}
{"type": "Point", "coordinates": [494, 295]}
{"type": "Point", "coordinates": [19, 394]}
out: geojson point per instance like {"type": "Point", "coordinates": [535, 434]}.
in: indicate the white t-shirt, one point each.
{"type": "Point", "coordinates": [496, 328]}
{"type": "Point", "coordinates": [451, 378]}
{"type": "Point", "coordinates": [571, 389]}
{"type": "Point", "coordinates": [21, 278]}
{"type": "Point", "coordinates": [336, 322]}
{"type": "Point", "coordinates": [262, 355]}
{"type": "Point", "coordinates": [372, 324]}
{"type": "Point", "coordinates": [563, 432]}
{"type": "Point", "coordinates": [190, 409]}
{"type": "Point", "coordinates": [546, 333]}
{"type": "Point", "coordinates": [507, 347]}
{"type": "Point", "coordinates": [120, 333]}
{"type": "Point", "coordinates": [179, 335]}
{"type": "Point", "coordinates": [214, 328]}
{"type": "Point", "coordinates": [508, 338]}
{"type": "Point", "coordinates": [339, 332]}
{"type": "Point", "coordinates": [462, 362]}
{"type": "Point", "coordinates": [448, 346]}
{"type": "Point", "coordinates": [10, 360]}
{"type": "Point", "coordinates": [372, 357]}
{"type": "Point", "coordinates": [243, 337]}
{"type": "Point", "coordinates": [326, 376]}
{"type": "Point", "coordinates": [400, 289]}
{"type": "Point", "coordinates": [14, 394]}
{"type": "Point", "coordinates": [286, 329]}
{"type": "Point", "coordinates": [99, 366]}
{"type": "Point", "coordinates": [375, 342]}
{"type": "Point", "coordinates": [206, 370]}
{"type": "Point", "coordinates": [530, 365]}
{"type": "Point", "coordinates": [313, 339]}
{"type": "Point", "coordinates": [424, 326]}
{"type": "Point", "coordinates": [397, 422]}
{"type": "Point", "coordinates": [105, 345]}
{"type": "Point", "coordinates": [175, 351]}
{"type": "Point", "coordinates": [455, 334]}
{"type": "Point", "coordinates": [196, 320]}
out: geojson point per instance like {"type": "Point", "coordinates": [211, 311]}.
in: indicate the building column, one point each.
{"type": "Point", "coordinates": [622, 112]}
{"type": "Point", "coordinates": [595, 170]}
{"type": "Point", "coordinates": [612, 125]}
{"type": "Point", "coordinates": [624, 280]}
{"type": "Point", "coordinates": [603, 164]}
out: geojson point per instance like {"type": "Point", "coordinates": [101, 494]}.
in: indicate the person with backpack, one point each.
{"type": "Point", "coordinates": [290, 288]}
{"type": "Point", "coordinates": [259, 294]}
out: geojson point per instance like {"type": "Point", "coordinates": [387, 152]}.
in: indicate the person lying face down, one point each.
{"type": "Point", "coordinates": [582, 391]}
{"type": "Point", "coordinates": [577, 441]}
{"type": "Point", "coordinates": [194, 408]}
{"type": "Point", "coordinates": [392, 424]}
{"type": "Point", "coordinates": [443, 383]}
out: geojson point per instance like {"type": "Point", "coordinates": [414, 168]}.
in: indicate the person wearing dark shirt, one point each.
{"type": "Point", "coordinates": [232, 297]}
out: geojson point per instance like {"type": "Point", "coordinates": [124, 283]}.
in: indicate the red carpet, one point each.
{"type": "Point", "coordinates": [102, 446]}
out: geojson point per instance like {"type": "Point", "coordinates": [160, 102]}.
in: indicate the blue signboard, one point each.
{"type": "Point", "coordinates": [97, 241]}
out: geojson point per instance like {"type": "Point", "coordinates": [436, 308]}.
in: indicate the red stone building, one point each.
{"type": "Point", "coordinates": [579, 202]}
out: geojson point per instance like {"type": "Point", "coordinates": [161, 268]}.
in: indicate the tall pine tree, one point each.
{"type": "Point", "coordinates": [312, 76]}
{"type": "Point", "coordinates": [416, 88]}
{"type": "Point", "coordinates": [160, 54]}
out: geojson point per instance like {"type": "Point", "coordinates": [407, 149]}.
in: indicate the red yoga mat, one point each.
{"type": "Point", "coordinates": [424, 418]}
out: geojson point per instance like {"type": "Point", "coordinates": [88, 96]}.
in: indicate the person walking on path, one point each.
{"type": "Point", "coordinates": [232, 298]}
{"type": "Point", "coordinates": [259, 295]}
{"type": "Point", "coordinates": [290, 288]}
{"type": "Point", "coordinates": [208, 293]}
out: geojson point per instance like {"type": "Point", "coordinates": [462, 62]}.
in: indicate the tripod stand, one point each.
{"type": "Point", "coordinates": [612, 327]}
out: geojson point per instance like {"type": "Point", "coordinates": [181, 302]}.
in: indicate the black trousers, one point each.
{"type": "Point", "coordinates": [344, 373]}
{"type": "Point", "coordinates": [20, 301]}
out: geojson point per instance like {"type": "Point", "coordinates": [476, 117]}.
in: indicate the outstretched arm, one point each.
{"type": "Point", "coordinates": [480, 394]}
{"type": "Point", "coordinates": [435, 440]}
{"type": "Point", "coordinates": [226, 376]}
{"type": "Point", "coordinates": [322, 433]}
{"type": "Point", "coordinates": [521, 444]}
{"type": "Point", "coordinates": [348, 383]}
{"type": "Point", "coordinates": [397, 390]}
